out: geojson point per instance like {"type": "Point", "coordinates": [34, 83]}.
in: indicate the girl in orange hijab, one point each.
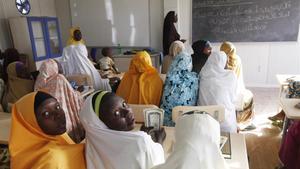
{"type": "Point", "coordinates": [141, 84]}
{"type": "Point", "coordinates": [38, 136]}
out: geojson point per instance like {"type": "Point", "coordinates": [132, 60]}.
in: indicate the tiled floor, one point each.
{"type": "Point", "coordinates": [263, 142]}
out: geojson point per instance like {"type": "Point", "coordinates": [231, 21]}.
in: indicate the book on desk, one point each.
{"type": "Point", "coordinates": [225, 145]}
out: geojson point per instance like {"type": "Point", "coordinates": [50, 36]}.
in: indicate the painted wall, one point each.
{"type": "Point", "coordinates": [156, 10]}
{"type": "Point", "coordinates": [261, 61]}
{"type": "Point", "coordinates": [8, 9]}
{"type": "Point", "coordinates": [64, 17]}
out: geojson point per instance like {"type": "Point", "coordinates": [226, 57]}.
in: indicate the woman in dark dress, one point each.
{"type": "Point", "coordinates": [170, 33]}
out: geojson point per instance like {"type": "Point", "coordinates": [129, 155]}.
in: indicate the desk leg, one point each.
{"type": "Point", "coordinates": [286, 124]}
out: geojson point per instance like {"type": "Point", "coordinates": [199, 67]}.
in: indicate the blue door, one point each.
{"type": "Point", "coordinates": [53, 37]}
{"type": "Point", "coordinates": [38, 36]}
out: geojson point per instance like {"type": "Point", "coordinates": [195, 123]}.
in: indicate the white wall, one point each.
{"type": "Point", "coordinates": [64, 17]}
{"type": "Point", "coordinates": [8, 9]}
{"type": "Point", "coordinates": [261, 61]}
{"type": "Point", "coordinates": [156, 23]}
{"type": "Point", "coordinates": [156, 9]}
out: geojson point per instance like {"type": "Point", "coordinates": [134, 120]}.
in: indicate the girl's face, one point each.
{"type": "Point", "coordinates": [207, 50]}
{"type": "Point", "coordinates": [117, 115]}
{"type": "Point", "coordinates": [51, 117]}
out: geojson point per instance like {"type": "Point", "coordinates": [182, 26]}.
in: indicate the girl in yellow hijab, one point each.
{"type": "Point", "coordinates": [233, 61]}
{"type": "Point", "coordinates": [244, 101]}
{"type": "Point", "coordinates": [38, 138]}
{"type": "Point", "coordinates": [141, 84]}
{"type": "Point", "coordinates": [75, 36]}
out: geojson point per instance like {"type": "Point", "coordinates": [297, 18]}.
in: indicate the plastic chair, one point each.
{"type": "Point", "coordinates": [138, 110]}
{"type": "Point", "coordinates": [216, 111]}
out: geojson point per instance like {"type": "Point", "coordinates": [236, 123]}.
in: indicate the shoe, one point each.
{"type": "Point", "coordinates": [278, 116]}
{"type": "Point", "coordinates": [249, 127]}
{"type": "Point", "coordinates": [278, 123]}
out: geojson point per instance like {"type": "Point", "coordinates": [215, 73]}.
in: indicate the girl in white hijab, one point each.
{"type": "Point", "coordinates": [175, 48]}
{"type": "Point", "coordinates": [109, 142]}
{"type": "Point", "coordinates": [75, 61]}
{"type": "Point", "coordinates": [197, 141]}
{"type": "Point", "coordinates": [218, 87]}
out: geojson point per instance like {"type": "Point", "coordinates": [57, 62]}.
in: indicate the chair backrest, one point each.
{"type": "Point", "coordinates": [216, 111]}
{"type": "Point", "coordinates": [81, 79]}
{"type": "Point", "coordinates": [138, 110]}
{"type": "Point", "coordinates": [163, 77]}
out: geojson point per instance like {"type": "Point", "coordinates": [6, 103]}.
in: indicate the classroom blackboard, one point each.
{"type": "Point", "coordinates": [245, 20]}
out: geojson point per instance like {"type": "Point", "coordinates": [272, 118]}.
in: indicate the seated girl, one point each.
{"type": "Point", "coordinates": [110, 143]}
{"type": "Point", "coordinates": [141, 84]}
{"type": "Point", "coordinates": [244, 100]}
{"type": "Point", "coordinates": [10, 55]}
{"type": "Point", "coordinates": [50, 81]}
{"type": "Point", "coordinates": [181, 86]}
{"type": "Point", "coordinates": [197, 141]}
{"type": "Point", "coordinates": [38, 136]}
{"type": "Point", "coordinates": [19, 83]}
{"type": "Point", "coordinates": [202, 50]}
{"type": "Point", "coordinates": [218, 87]}
{"type": "Point", "coordinates": [75, 61]}
{"type": "Point", "coordinates": [106, 63]}
{"type": "Point", "coordinates": [175, 48]}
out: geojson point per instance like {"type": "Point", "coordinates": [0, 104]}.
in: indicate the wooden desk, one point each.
{"type": "Point", "coordinates": [239, 159]}
{"type": "Point", "coordinates": [282, 80]}
{"type": "Point", "coordinates": [287, 104]}
{"type": "Point", "coordinates": [87, 91]}
{"type": "Point", "coordinates": [5, 121]}
{"type": "Point", "coordinates": [291, 113]}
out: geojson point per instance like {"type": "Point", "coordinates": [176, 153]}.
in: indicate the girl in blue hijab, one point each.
{"type": "Point", "coordinates": [181, 86]}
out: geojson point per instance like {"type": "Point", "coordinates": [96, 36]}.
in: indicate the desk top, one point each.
{"type": "Point", "coordinates": [281, 78]}
{"type": "Point", "coordinates": [288, 106]}
{"type": "Point", "coordinates": [87, 91]}
{"type": "Point", "coordinates": [5, 120]}
{"type": "Point", "coordinates": [239, 159]}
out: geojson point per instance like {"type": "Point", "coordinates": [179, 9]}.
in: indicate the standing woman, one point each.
{"type": "Point", "coordinates": [181, 86]}
{"type": "Point", "coordinates": [170, 33]}
{"type": "Point", "coordinates": [75, 61]}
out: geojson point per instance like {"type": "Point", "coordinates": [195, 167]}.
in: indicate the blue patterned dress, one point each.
{"type": "Point", "coordinates": [181, 86]}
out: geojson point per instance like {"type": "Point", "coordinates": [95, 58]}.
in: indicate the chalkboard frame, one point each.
{"type": "Point", "coordinates": [279, 29]}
